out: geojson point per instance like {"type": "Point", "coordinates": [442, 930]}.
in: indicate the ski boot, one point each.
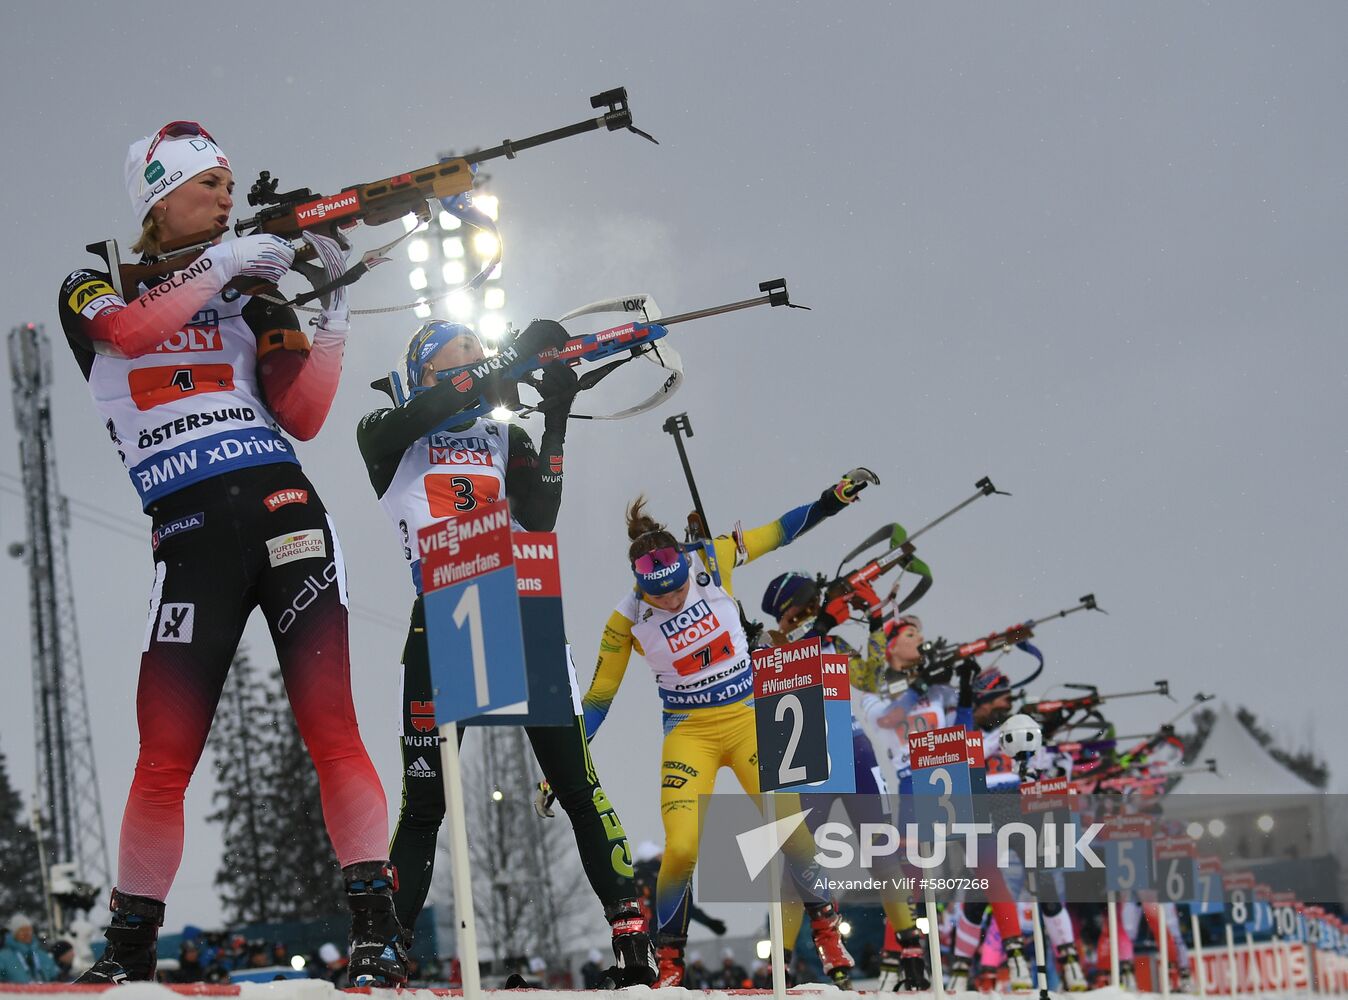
{"type": "Point", "coordinates": [959, 975]}
{"type": "Point", "coordinates": [891, 973]}
{"type": "Point", "coordinates": [986, 981]}
{"type": "Point", "coordinates": [1127, 976]}
{"type": "Point", "coordinates": [1069, 967]}
{"type": "Point", "coordinates": [636, 964]}
{"type": "Point", "coordinates": [1016, 965]}
{"type": "Point", "coordinates": [377, 955]}
{"type": "Point", "coordinates": [132, 938]}
{"type": "Point", "coordinates": [837, 963]}
{"type": "Point", "coordinates": [669, 955]}
{"type": "Point", "coordinates": [913, 961]}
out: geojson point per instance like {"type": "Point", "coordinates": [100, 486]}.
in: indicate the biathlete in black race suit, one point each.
{"type": "Point", "coordinates": [195, 384]}
{"type": "Point", "coordinates": [427, 464]}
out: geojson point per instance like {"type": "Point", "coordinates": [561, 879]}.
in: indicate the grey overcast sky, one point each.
{"type": "Point", "coordinates": [1093, 251]}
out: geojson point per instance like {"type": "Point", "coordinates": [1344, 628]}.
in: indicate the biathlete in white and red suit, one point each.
{"type": "Point", "coordinates": [198, 386]}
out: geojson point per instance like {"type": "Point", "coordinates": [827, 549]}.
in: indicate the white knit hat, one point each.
{"type": "Point", "coordinates": [17, 922]}
{"type": "Point", "coordinates": [153, 173]}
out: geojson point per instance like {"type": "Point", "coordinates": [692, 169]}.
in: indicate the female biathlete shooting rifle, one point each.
{"type": "Point", "coordinates": [682, 616]}
{"type": "Point", "coordinates": [902, 702]}
{"type": "Point", "coordinates": [793, 599]}
{"type": "Point", "coordinates": [194, 383]}
{"type": "Point", "coordinates": [427, 464]}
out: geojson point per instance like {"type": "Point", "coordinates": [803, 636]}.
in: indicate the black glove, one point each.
{"type": "Point", "coordinates": [716, 926]}
{"type": "Point", "coordinates": [966, 670]}
{"type": "Point", "coordinates": [559, 383]}
{"type": "Point", "coordinates": [846, 490]}
{"type": "Point", "coordinates": [825, 623]}
{"type": "Point", "coordinates": [539, 336]}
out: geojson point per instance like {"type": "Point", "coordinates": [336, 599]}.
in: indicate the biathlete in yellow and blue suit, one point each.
{"type": "Point", "coordinates": [683, 618]}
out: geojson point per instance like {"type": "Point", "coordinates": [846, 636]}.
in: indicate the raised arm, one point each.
{"type": "Point", "coordinates": [107, 324]}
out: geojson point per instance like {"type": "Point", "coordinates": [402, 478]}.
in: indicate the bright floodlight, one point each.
{"type": "Point", "coordinates": [501, 413]}
{"type": "Point", "coordinates": [452, 247]}
{"type": "Point", "coordinates": [497, 795]}
{"type": "Point", "coordinates": [460, 305]}
{"type": "Point", "coordinates": [417, 279]}
{"type": "Point", "coordinates": [489, 204]}
{"type": "Point", "coordinates": [1216, 827]}
{"type": "Point", "coordinates": [763, 949]}
{"type": "Point", "coordinates": [409, 222]}
{"type": "Point", "coordinates": [1264, 822]}
{"type": "Point", "coordinates": [485, 244]}
{"type": "Point", "coordinates": [494, 298]}
{"type": "Point", "coordinates": [495, 273]}
{"type": "Point", "coordinates": [454, 272]}
{"type": "Point", "coordinates": [449, 222]}
{"type": "Point", "coordinates": [492, 325]}
{"type": "Point", "coordinates": [297, 962]}
{"type": "Point", "coordinates": [421, 310]}
{"type": "Point", "coordinates": [923, 927]}
{"type": "Point", "coordinates": [1194, 830]}
{"type": "Point", "coordinates": [418, 250]}
{"type": "Point", "coordinates": [844, 928]}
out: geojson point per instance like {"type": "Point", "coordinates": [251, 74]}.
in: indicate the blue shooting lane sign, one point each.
{"type": "Point", "coordinates": [1239, 889]}
{"type": "Point", "coordinates": [789, 717]}
{"type": "Point", "coordinates": [942, 790]}
{"type": "Point", "coordinates": [842, 776]}
{"type": "Point", "coordinates": [554, 699]}
{"type": "Point", "coordinates": [473, 629]}
{"type": "Point", "coordinates": [1263, 910]}
{"type": "Point", "coordinates": [1210, 898]}
{"type": "Point", "coordinates": [1176, 867]}
{"type": "Point", "coordinates": [1127, 841]}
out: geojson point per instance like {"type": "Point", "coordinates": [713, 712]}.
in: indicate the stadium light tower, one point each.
{"type": "Point", "coordinates": [444, 255]}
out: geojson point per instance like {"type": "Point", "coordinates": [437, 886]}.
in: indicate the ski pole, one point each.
{"type": "Point", "coordinates": [676, 426]}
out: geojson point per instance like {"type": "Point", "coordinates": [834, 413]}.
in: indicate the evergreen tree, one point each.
{"type": "Point", "coordinates": [307, 877]}
{"type": "Point", "coordinates": [241, 744]}
{"type": "Point", "coordinates": [21, 887]}
{"type": "Point", "coordinates": [1303, 763]}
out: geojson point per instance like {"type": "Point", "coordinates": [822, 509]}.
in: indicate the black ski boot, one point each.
{"type": "Point", "coordinates": [913, 962]}
{"type": "Point", "coordinates": [132, 938]}
{"type": "Point", "coordinates": [377, 956]}
{"type": "Point", "coordinates": [635, 963]}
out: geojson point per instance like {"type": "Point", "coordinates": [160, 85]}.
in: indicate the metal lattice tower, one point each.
{"type": "Point", "coordinates": [67, 779]}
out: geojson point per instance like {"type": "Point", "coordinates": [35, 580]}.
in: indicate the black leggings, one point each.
{"type": "Point", "coordinates": [561, 752]}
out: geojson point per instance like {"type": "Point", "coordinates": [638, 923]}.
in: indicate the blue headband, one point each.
{"type": "Point", "coordinates": [662, 579]}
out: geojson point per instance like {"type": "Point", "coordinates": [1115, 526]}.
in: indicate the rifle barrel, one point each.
{"type": "Point", "coordinates": [762, 300]}
{"type": "Point", "coordinates": [509, 147]}
{"type": "Point", "coordinates": [951, 512]}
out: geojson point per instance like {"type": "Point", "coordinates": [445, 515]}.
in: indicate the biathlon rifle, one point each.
{"type": "Point", "coordinates": [291, 213]}
{"type": "Point", "coordinates": [1058, 714]}
{"type": "Point", "coordinates": [637, 339]}
{"type": "Point", "coordinates": [939, 658]}
{"type": "Point", "coordinates": [496, 379]}
{"type": "Point", "coordinates": [1103, 756]}
{"type": "Point", "coordinates": [837, 593]}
